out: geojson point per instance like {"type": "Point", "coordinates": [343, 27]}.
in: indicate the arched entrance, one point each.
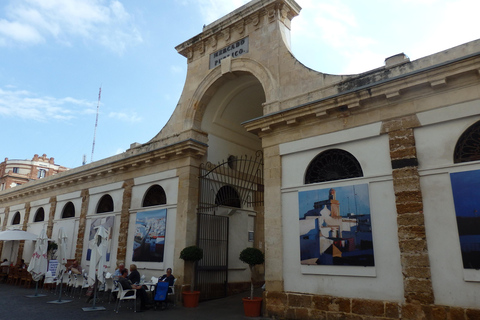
{"type": "Point", "coordinates": [231, 183]}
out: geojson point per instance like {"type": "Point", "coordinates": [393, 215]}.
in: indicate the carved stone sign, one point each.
{"type": "Point", "coordinates": [234, 50]}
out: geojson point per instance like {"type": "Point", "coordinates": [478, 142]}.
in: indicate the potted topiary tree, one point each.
{"type": "Point", "coordinates": [191, 255]}
{"type": "Point", "coordinates": [252, 256]}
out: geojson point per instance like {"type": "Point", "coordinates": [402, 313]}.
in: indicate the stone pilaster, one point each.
{"type": "Point", "coordinates": [82, 224]}
{"type": "Point", "coordinates": [21, 244]}
{"type": "Point", "coordinates": [124, 220]}
{"type": "Point", "coordinates": [51, 217]}
{"type": "Point", "coordinates": [5, 219]}
{"type": "Point", "coordinates": [186, 223]}
{"type": "Point", "coordinates": [273, 220]}
{"type": "Point", "coordinates": [409, 203]}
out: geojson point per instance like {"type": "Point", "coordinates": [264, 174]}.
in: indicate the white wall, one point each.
{"type": "Point", "coordinates": [384, 281]}
{"type": "Point", "coordinates": [452, 284]}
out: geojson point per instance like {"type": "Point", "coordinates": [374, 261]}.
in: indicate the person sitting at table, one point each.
{"type": "Point", "coordinates": [5, 263]}
{"type": "Point", "coordinates": [75, 268]}
{"type": "Point", "coordinates": [141, 293]}
{"type": "Point", "coordinates": [22, 264]}
{"type": "Point", "coordinates": [168, 277]}
{"type": "Point", "coordinates": [134, 275]}
{"type": "Point", "coordinates": [118, 272]}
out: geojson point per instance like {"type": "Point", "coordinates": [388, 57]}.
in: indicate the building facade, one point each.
{"type": "Point", "coordinates": [362, 190]}
{"type": "Point", "coordinates": [18, 172]}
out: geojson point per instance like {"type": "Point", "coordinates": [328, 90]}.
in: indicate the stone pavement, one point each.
{"type": "Point", "coordinates": [15, 305]}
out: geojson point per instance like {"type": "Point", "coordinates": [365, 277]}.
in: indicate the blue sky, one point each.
{"type": "Point", "coordinates": [352, 199]}
{"type": "Point", "coordinates": [55, 55]}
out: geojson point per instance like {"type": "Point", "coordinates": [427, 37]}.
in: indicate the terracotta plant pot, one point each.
{"type": "Point", "coordinates": [190, 299]}
{"type": "Point", "coordinates": [252, 308]}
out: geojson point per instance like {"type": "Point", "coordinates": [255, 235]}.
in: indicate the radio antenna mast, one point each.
{"type": "Point", "coordinates": [96, 122]}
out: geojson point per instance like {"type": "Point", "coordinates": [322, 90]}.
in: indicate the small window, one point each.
{"type": "Point", "coordinates": [228, 196]}
{"type": "Point", "coordinates": [154, 196]}
{"type": "Point", "coordinates": [68, 210]}
{"type": "Point", "coordinates": [334, 164]}
{"type": "Point", "coordinates": [15, 170]}
{"type": "Point", "coordinates": [105, 204]}
{"type": "Point", "coordinates": [41, 173]}
{"type": "Point", "coordinates": [39, 215]}
{"type": "Point", "coordinates": [16, 218]}
{"type": "Point", "coordinates": [468, 145]}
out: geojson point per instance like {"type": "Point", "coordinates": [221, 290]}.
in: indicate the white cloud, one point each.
{"type": "Point", "coordinates": [96, 21]}
{"type": "Point", "coordinates": [212, 10]}
{"type": "Point", "coordinates": [126, 117]}
{"type": "Point", "coordinates": [26, 105]}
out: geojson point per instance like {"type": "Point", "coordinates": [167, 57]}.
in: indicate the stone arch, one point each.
{"type": "Point", "coordinates": [215, 79]}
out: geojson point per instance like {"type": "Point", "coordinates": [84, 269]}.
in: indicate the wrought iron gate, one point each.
{"type": "Point", "coordinates": [234, 183]}
{"type": "Point", "coordinates": [211, 274]}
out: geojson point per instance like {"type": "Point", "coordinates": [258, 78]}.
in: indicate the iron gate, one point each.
{"type": "Point", "coordinates": [211, 273]}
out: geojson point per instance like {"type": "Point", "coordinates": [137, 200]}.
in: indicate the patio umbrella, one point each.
{"type": "Point", "coordinates": [62, 261]}
{"type": "Point", "coordinates": [98, 263]}
{"type": "Point", "coordinates": [17, 235]}
{"type": "Point", "coordinates": [62, 253]}
{"type": "Point", "coordinates": [38, 263]}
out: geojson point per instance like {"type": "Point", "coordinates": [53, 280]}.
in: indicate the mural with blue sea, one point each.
{"type": "Point", "coordinates": [149, 238]}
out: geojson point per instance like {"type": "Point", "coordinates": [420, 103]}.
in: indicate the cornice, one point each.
{"type": "Point", "coordinates": [389, 90]}
{"type": "Point", "coordinates": [235, 25]}
{"type": "Point", "coordinates": [186, 148]}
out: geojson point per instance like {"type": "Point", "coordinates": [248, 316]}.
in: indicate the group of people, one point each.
{"type": "Point", "coordinates": [132, 281]}
{"type": "Point", "coordinates": [21, 264]}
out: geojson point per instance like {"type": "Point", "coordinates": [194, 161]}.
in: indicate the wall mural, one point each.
{"type": "Point", "coordinates": [335, 226]}
{"type": "Point", "coordinates": [149, 241]}
{"type": "Point", "coordinates": [107, 223]}
{"type": "Point", "coordinates": [466, 197]}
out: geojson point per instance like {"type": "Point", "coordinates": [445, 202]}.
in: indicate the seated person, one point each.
{"type": "Point", "coordinates": [22, 264]}
{"type": "Point", "coordinates": [119, 270]}
{"type": "Point", "coordinates": [141, 293]}
{"type": "Point", "coordinates": [75, 268]}
{"type": "Point", "coordinates": [5, 263]}
{"type": "Point", "coordinates": [168, 277]}
{"type": "Point", "coordinates": [134, 275]}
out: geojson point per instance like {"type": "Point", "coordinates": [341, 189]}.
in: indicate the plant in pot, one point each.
{"type": "Point", "coordinates": [191, 255]}
{"type": "Point", "coordinates": [252, 256]}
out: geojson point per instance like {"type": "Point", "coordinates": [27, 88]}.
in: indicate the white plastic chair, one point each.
{"type": "Point", "coordinates": [173, 292]}
{"type": "Point", "coordinates": [122, 295]}
{"type": "Point", "coordinates": [114, 290]}
{"type": "Point", "coordinates": [153, 280]}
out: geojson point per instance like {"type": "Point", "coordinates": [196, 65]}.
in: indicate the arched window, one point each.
{"type": "Point", "coordinates": [154, 196]}
{"type": "Point", "coordinates": [68, 210]}
{"type": "Point", "coordinates": [105, 204]}
{"type": "Point", "coordinates": [468, 145]}
{"type": "Point", "coordinates": [39, 215]}
{"type": "Point", "coordinates": [16, 218]}
{"type": "Point", "coordinates": [228, 196]}
{"type": "Point", "coordinates": [334, 164]}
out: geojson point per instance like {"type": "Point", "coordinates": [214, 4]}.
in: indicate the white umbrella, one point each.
{"type": "Point", "coordinates": [98, 263]}
{"type": "Point", "coordinates": [62, 261]}
{"type": "Point", "coordinates": [62, 253]}
{"type": "Point", "coordinates": [38, 263]}
{"type": "Point", "coordinates": [17, 235]}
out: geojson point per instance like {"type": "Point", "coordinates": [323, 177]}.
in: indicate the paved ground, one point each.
{"type": "Point", "coordinates": [14, 304]}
